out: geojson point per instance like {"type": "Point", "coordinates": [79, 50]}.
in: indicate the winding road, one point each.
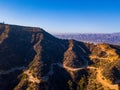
{"type": "Point", "coordinates": [100, 78]}
{"type": "Point", "coordinates": [77, 69]}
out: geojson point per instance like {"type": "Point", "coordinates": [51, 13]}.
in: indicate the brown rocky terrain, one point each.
{"type": "Point", "coordinates": [32, 59]}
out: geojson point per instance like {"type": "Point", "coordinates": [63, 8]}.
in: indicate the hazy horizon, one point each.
{"type": "Point", "coordinates": [63, 16]}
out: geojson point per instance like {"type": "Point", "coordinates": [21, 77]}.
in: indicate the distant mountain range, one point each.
{"type": "Point", "coordinates": [113, 38]}
{"type": "Point", "coordinates": [32, 59]}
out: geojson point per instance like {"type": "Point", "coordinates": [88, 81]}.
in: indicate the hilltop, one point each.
{"type": "Point", "coordinates": [32, 59]}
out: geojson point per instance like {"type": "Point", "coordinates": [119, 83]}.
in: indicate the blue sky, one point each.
{"type": "Point", "coordinates": [64, 16]}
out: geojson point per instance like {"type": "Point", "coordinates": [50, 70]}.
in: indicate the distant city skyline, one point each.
{"type": "Point", "coordinates": [63, 16]}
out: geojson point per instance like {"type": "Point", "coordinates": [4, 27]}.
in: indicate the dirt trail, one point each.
{"type": "Point", "coordinates": [73, 69]}
{"type": "Point", "coordinates": [77, 69]}
{"type": "Point", "coordinates": [12, 70]}
{"type": "Point", "coordinates": [100, 78]}
{"type": "Point", "coordinates": [35, 79]}
{"type": "Point", "coordinates": [91, 67]}
{"type": "Point", "coordinates": [104, 82]}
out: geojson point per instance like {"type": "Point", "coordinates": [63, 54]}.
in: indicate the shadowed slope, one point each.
{"type": "Point", "coordinates": [32, 59]}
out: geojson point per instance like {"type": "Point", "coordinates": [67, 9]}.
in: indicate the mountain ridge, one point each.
{"type": "Point", "coordinates": [32, 59]}
{"type": "Point", "coordinates": [96, 38]}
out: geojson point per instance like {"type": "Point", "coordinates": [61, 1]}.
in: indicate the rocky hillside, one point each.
{"type": "Point", "coordinates": [32, 59]}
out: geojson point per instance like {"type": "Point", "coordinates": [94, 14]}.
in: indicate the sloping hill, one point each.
{"type": "Point", "coordinates": [32, 59]}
